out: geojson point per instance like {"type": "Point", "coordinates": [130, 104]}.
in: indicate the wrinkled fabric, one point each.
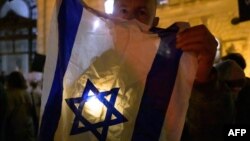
{"type": "Point", "coordinates": [113, 80]}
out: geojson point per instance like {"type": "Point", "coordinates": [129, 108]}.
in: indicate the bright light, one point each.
{"type": "Point", "coordinates": [93, 106]}
{"type": "Point", "coordinates": [96, 24]}
{"type": "Point", "coordinates": [109, 6]}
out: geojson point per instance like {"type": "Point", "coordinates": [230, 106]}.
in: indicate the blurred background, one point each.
{"type": "Point", "coordinates": [24, 26]}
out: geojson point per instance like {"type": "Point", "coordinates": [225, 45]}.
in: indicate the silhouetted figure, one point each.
{"type": "Point", "coordinates": [3, 101]}
{"type": "Point", "coordinates": [243, 100]}
{"type": "Point", "coordinates": [212, 105]}
{"type": "Point", "coordinates": [19, 122]}
{"type": "Point", "coordinates": [36, 94]}
{"type": "Point", "coordinates": [2, 78]}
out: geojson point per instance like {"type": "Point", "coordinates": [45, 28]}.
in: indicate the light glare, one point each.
{"type": "Point", "coordinates": [96, 25]}
{"type": "Point", "coordinates": [93, 106]}
{"type": "Point", "coordinates": [109, 6]}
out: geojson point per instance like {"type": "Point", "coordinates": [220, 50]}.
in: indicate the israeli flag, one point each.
{"type": "Point", "coordinates": [111, 80]}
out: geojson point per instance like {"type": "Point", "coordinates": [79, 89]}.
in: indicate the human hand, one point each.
{"type": "Point", "coordinates": [198, 39]}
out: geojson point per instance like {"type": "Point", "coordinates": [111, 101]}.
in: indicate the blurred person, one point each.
{"type": "Point", "coordinates": [3, 101]}
{"type": "Point", "coordinates": [35, 89]}
{"type": "Point", "coordinates": [2, 78]}
{"type": "Point", "coordinates": [204, 44]}
{"type": "Point", "coordinates": [233, 75]}
{"type": "Point", "coordinates": [19, 124]}
{"type": "Point", "coordinates": [211, 102]}
{"type": "Point", "coordinates": [36, 94]}
{"type": "Point", "coordinates": [197, 39]}
{"type": "Point", "coordinates": [243, 98]}
{"type": "Point", "coordinates": [212, 105]}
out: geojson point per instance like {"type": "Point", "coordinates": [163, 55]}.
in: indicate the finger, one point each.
{"type": "Point", "coordinates": [193, 31]}
{"type": "Point", "coordinates": [194, 47]}
{"type": "Point", "coordinates": [182, 42]}
{"type": "Point", "coordinates": [193, 38]}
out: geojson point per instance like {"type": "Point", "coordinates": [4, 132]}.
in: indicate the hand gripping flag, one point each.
{"type": "Point", "coordinates": [109, 80]}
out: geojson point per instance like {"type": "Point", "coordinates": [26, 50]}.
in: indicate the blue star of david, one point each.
{"type": "Point", "coordinates": [111, 110]}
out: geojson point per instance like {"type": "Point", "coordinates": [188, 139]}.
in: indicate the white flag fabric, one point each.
{"type": "Point", "coordinates": [110, 80]}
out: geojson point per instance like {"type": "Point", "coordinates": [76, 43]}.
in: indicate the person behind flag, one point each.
{"type": "Point", "coordinates": [197, 39]}
{"type": "Point", "coordinates": [63, 108]}
{"type": "Point", "coordinates": [242, 102]}
{"type": "Point", "coordinates": [3, 104]}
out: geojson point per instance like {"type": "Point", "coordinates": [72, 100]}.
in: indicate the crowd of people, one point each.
{"type": "Point", "coordinates": [20, 105]}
